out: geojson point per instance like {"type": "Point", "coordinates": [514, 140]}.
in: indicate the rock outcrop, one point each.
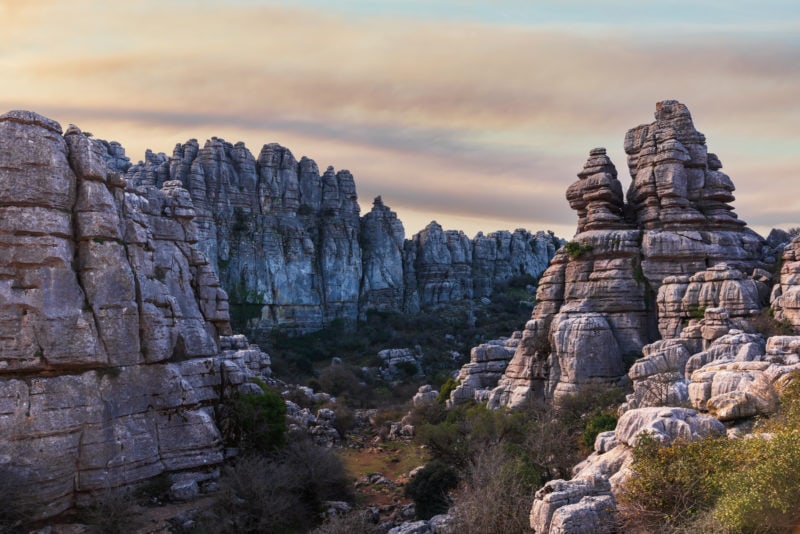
{"type": "Point", "coordinates": [112, 324]}
{"type": "Point", "coordinates": [290, 249]}
{"type": "Point", "coordinates": [487, 362]}
{"type": "Point", "coordinates": [642, 269]}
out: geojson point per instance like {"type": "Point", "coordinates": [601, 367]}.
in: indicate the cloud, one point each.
{"type": "Point", "coordinates": [461, 115]}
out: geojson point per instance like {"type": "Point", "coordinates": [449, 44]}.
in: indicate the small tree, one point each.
{"type": "Point", "coordinates": [260, 420]}
{"type": "Point", "coordinates": [429, 489]}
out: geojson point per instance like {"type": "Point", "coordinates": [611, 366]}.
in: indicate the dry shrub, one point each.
{"type": "Point", "coordinates": [280, 493]}
{"type": "Point", "coordinates": [495, 496]}
{"type": "Point", "coordinates": [357, 522]}
{"type": "Point", "coordinates": [111, 512]}
{"type": "Point", "coordinates": [767, 324]}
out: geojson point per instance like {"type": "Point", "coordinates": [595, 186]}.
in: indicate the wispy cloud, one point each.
{"type": "Point", "coordinates": [476, 112]}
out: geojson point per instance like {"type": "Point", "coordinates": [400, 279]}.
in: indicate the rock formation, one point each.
{"type": "Point", "coordinates": [112, 324]}
{"type": "Point", "coordinates": [290, 249]}
{"type": "Point", "coordinates": [628, 276]}
{"type": "Point", "coordinates": [670, 284]}
{"type": "Point", "coordinates": [487, 362]}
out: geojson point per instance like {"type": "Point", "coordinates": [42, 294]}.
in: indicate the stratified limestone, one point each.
{"type": "Point", "coordinates": [487, 362]}
{"type": "Point", "coordinates": [639, 271]}
{"type": "Point", "coordinates": [682, 298]}
{"type": "Point", "coordinates": [578, 505]}
{"type": "Point", "coordinates": [282, 238]}
{"type": "Point", "coordinates": [592, 302]}
{"type": "Point", "coordinates": [289, 247]}
{"type": "Point", "coordinates": [110, 321]}
{"type": "Point", "coordinates": [681, 199]}
{"type": "Point", "coordinates": [382, 235]}
{"type": "Point", "coordinates": [785, 298]}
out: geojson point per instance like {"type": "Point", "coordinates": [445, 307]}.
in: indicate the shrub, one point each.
{"type": "Point", "coordinates": [670, 484]}
{"type": "Point", "coordinates": [496, 494]}
{"type": "Point", "coordinates": [444, 392]}
{"type": "Point", "coordinates": [576, 249]}
{"type": "Point", "coordinates": [429, 489]}
{"type": "Point", "coordinates": [260, 420]}
{"type": "Point", "coordinates": [766, 324]}
{"type": "Point", "coordinates": [345, 420]}
{"type": "Point", "coordinates": [280, 493]}
{"type": "Point", "coordinates": [111, 513]}
{"type": "Point", "coordinates": [762, 496]}
{"type": "Point", "coordinates": [595, 424]}
{"type": "Point", "coordinates": [698, 313]}
{"type": "Point", "coordinates": [467, 429]}
{"type": "Point", "coordinates": [358, 522]}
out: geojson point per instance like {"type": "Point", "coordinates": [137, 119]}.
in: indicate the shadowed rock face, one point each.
{"type": "Point", "coordinates": [599, 302]}
{"type": "Point", "coordinates": [110, 321]}
{"type": "Point", "coordinates": [288, 242]}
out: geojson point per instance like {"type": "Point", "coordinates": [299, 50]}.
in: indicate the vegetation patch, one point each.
{"type": "Point", "coordinates": [576, 249]}
{"type": "Point", "coordinates": [737, 485]}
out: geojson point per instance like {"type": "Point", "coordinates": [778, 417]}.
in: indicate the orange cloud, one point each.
{"type": "Point", "coordinates": [459, 117]}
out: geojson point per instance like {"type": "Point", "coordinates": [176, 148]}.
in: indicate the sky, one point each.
{"type": "Point", "coordinates": [472, 113]}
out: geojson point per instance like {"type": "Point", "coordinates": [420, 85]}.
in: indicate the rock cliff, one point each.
{"type": "Point", "coordinates": [112, 324]}
{"type": "Point", "coordinates": [628, 277]}
{"type": "Point", "coordinates": [290, 249]}
{"type": "Point", "coordinates": [669, 291]}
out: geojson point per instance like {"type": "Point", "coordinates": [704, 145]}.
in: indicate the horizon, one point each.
{"type": "Point", "coordinates": [477, 115]}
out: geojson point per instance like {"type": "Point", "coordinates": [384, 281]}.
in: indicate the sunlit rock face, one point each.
{"type": "Point", "coordinates": [290, 248]}
{"type": "Point", "coordinates": [638, 270]}
{"type": "Point", "coordinates": [112, 323]}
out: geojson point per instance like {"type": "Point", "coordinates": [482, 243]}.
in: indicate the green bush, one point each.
{"type": "Point", "coordinates": [762, 496]}
{"type": "Point", "coordinates": [576, 249]}
{"type": "Point", "coordinates": [444, 392]}
{"type": "Point", "coordinates": [429, 489]}
{"type": "Point", "coordinates": [260, 420]}
{"type": "Point", "coordinates": [670, 484]}
{"type": "Point", "coordinates": [595, 424]}
{"type": "Point", "coordinates": [698, 313]}
{"type": "Point", "coordinates": [744, 485]}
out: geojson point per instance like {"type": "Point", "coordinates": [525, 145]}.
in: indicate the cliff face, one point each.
{"type": "Point", "coordinates": [288, 245]}
{"type": "Point", "coordinates": [282, 237]}
{"type": "Point", "coordinates": [626, 278]}
{"type": "Point", "coordinates": [110, 321]}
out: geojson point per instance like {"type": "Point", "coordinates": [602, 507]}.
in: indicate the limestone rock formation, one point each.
{"type": "Point", "coordinates": [564, 506]}
{"type": "Point", "coordinates": [110, 321]}
{"type": "Point", "coordinates": [282, 238]}
{"type": "Point", "coordinates": [290, 249]}
{"type": "Point", "coordinates": [642, 269]}
{"type": "Point", "coordinates": [382, 235]}
{"type": "Point", "coordinates": [785, 298]}
{"type": "Point", "coordinates": [487, 362]}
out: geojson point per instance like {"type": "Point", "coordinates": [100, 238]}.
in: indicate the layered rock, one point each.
{"type": "Point", "coordinates": [642, 269]}
{"type": "Point", "coordinates": [572, 505]}
{"type": "Point", "coordinates": [382, 235]}
{"type": "Point", "coordinates": [681, 200]}
{"type": "Point", "coordinates": [110, 321]}
{"type": "Point", "coordinates": [290, 249]}
{"type": "Point", "coordinates": [785, 296]}
{"type": "Point", "coordinates": [592, 302]}
{"type": "Point", "coordinates": [487, 362]}
{"type": "Point", "coordinates": [282, 237]}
